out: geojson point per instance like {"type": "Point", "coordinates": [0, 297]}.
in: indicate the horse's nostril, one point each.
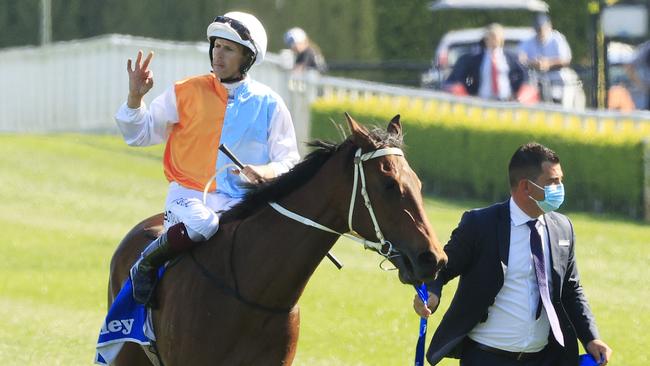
{"type": "Point", "coordinates": [428, 264]}
{"type": "Point", "coordinates": [427, 259]}
{"type": "Point", "coordinates": [431, 263]}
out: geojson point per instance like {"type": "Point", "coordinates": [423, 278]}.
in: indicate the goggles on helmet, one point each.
{"type": "Point", "coordinates": [236, 25]}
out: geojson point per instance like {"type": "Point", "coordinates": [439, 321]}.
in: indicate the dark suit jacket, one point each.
{"type": "Point", "coordinates": [467, 71]}
{"type": "Point", "coordinates": [478, 253]}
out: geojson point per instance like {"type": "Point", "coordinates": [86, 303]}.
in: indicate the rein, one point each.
{"type": "Point", "coordinates": [383, 247]}
{"type": "Point", "coordinates": [221, 285]}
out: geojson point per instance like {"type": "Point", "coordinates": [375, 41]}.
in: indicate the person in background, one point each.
{"type": "Point", "coordinates": [624, 94]}
{"type": "Point", "coordinates": [548, 50]}
{"type": "Point", "coordinates": [620, 99]}
{"type": "Point", "coordinates": [491, 73]}
{"type": "Point", "coordinates": [307, 54]}
{"type": "Point", "coordinates": [547, 53]}
{"type": "Point", "coordinates": [639, 73]}
{"type": "Point", "coordinates": [193, 117]}
{"type": "Point", "coordinates": [519, 300]}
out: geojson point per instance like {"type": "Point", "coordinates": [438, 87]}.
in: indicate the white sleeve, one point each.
{"type": "Point", "coordinates": [144, 127]}
{"type": "Point", "coordinates": [283, 148]}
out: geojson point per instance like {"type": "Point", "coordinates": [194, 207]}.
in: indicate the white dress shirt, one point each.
{"type": "Point", "coordinates": [511, 323]}
{"type": "Point", "coordinates": [485, 84]}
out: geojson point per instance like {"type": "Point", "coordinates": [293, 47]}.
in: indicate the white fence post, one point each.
{"type": "Point", "coordinates": [646, 179]}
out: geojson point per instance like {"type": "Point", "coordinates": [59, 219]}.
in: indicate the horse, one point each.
{"type": "Point", "coordinates": [233, 300]}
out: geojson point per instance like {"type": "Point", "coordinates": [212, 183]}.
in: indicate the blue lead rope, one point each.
{"type": "Point", "coordinates": [419, 349]}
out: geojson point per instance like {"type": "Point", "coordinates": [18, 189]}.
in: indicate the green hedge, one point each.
{"type": "Point", "coordinates": [603, 172]}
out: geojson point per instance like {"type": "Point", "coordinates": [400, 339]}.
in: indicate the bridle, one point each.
{"type": "Point", "coordinates": [383, 247]}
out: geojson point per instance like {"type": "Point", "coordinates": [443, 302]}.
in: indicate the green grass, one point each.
{"type": "Point", "coordinates": [67, 200]}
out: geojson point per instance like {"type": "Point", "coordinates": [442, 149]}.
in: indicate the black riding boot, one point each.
{"type": "Point", "coordinates": [145, 270]}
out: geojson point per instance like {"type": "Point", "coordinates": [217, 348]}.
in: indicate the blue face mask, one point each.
{"type": "Point", "coordinates": [553, 197]}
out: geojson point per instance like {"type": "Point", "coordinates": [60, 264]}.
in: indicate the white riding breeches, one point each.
{"type": "Point", "coordinates": [186, 205]}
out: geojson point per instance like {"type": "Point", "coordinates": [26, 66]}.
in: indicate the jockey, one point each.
{"type": "Point", "coordinates": [194, 116]}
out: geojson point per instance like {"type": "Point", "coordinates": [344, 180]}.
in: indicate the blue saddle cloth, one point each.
{"type": "Point", "coordinates": [126, 321]}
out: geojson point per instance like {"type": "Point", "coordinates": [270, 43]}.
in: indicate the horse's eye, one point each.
{"type": "Point", "coordinates": [390, 185]}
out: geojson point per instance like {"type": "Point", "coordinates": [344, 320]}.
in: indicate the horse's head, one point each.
{"type": "Point", "coordinates": [395, 199]}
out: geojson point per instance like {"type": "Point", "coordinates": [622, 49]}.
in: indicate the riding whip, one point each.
{"type": "Point", "coordinates": [224, 149]}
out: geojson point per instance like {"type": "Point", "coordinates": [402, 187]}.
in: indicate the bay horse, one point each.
{"type": "Point", "coordinates": [233, 299]}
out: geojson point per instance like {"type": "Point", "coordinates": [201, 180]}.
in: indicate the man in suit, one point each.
{"type": "Point", "coordinates": [519, 300]}
{"type": "Point", "coordinates": [492, 73]}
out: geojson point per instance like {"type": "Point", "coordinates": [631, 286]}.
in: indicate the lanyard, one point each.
{"type": "Point", "coordinates": [419, 349]}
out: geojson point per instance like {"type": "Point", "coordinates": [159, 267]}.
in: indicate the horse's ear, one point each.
{"type": "Point", "coordinates": [394, 126]}
{"type": "Point", "coordinates": [360, 135]}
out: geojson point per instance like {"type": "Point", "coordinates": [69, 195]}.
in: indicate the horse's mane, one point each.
{"type": "Point", "coordinates": [284, 184]}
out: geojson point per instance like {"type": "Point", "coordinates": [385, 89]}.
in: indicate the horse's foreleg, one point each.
{"type": "Point", "coordinates": [293, 332]}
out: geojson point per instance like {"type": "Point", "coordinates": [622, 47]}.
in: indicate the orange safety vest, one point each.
{"type": "Point", "coordinates": [191, 152]}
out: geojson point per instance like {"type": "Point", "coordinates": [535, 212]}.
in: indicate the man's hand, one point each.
{"type": "Point", "coordinates": [422, 310]}
{"type": "Point", "coordinates": [543, 64]}
{"type": "Point", "coordinates": [140, 79]}
{"type": "Point", "coordinates": [599, 351]}
{"type": "Point", "coordinates": [256, 174]}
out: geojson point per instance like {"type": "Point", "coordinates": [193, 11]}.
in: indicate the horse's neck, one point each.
{"type": "Point", "coordinates": [275, 256]}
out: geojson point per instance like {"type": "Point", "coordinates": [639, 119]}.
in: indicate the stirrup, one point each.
{"type": "Point", "coordinates": [143, 282]}
{"type": "Point", "coordinates": [144, 273]}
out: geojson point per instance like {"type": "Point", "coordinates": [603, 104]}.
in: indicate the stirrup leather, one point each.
{"type": "Point", "coordinates": [144, 272]}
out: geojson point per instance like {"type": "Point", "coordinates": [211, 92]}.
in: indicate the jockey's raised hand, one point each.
{"type": "Point", "coordinates": [140, 79]}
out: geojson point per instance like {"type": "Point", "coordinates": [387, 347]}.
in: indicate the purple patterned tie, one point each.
{"type": "Point", "coordinates": [540, 273]}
